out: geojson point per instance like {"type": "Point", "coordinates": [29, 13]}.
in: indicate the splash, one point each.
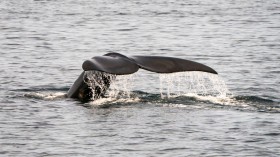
{"type": "Point", "coordinates": [203, 86]}
{"type": "Point", "coordinates": [118, 91]}
{"type": "Point", "coordinates": [98, 82]}
{"type": "Point", "coordinates": [194, 84]}
{"type": "Point", "coordinates": [112, 86]}
{"type": "Point", "coordinates": [122, 86]}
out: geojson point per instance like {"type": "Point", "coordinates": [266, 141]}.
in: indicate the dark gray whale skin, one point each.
{"type": "Point", "coordinates": [118, 64]}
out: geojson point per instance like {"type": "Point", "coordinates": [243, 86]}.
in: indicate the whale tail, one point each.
{"type": "Point", "coordinates": [118, 64]}
{"type": "Point", "coordinates": [115, 63]}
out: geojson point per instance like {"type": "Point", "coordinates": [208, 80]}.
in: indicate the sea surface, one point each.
{"type": "Point", "coordinates": [43, 44]}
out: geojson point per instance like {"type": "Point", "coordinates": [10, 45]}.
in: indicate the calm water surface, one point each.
{"type": "Point", "coordinates": [43, 44]}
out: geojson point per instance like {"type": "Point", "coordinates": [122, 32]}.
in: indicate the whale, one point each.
{"type": "Point", "coordinates": [106, 68]}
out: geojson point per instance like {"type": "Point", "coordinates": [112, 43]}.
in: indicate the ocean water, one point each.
{"type": "Point", "coordinates": [43, 44]}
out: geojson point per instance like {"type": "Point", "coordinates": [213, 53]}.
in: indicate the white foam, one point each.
{"type": "Point", "coordinates": [46, 96]}
{"type": "Point", "coordinates": [222, 100]}
{"type": "Point", "coordinates": [110, 100]}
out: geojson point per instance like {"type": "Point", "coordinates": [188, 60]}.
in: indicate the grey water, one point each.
{"type": "Point", "coordinates": [43, 44]}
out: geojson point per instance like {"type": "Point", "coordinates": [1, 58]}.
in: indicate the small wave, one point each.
{"type": "Point", "coordinates": [253, 99]}
{"type": "Point", "coordinates": [126, 29]}
{"type": "Point", "coordinates": [42, 88]}
{"type": "Point", "coordinates": [244, 103]}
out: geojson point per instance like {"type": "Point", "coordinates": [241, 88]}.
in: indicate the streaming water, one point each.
{"type": "Point", "coordinates": [98, 82]}
{"type": "Point", "coordinates": [122, 86]}
{"type": "Point", "coordinates": [192, 83]}
{"type": "Point", "coordinates": [171, 85]}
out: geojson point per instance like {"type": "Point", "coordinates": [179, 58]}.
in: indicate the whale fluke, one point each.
{"type": "Point", "coordinates": [169, 64]}
{"type": "Point", "coordinates": [118, 64]}
{"type": "Point", "coordinates": [115, 63]}
{"type": "Point", "coordinates": [111, 64]}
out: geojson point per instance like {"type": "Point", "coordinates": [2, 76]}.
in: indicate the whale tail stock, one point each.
{"type": "Point", "coordinates": [118, 64]}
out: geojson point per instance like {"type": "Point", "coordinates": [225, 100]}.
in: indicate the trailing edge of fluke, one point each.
{"type": "Point", "coordinates": [115, 63]}
{"type": "Point", "coordinates": [118, 64]}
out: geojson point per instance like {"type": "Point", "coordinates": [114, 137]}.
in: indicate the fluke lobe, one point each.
{"type": "Point", "coordinates": [105, 68]}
